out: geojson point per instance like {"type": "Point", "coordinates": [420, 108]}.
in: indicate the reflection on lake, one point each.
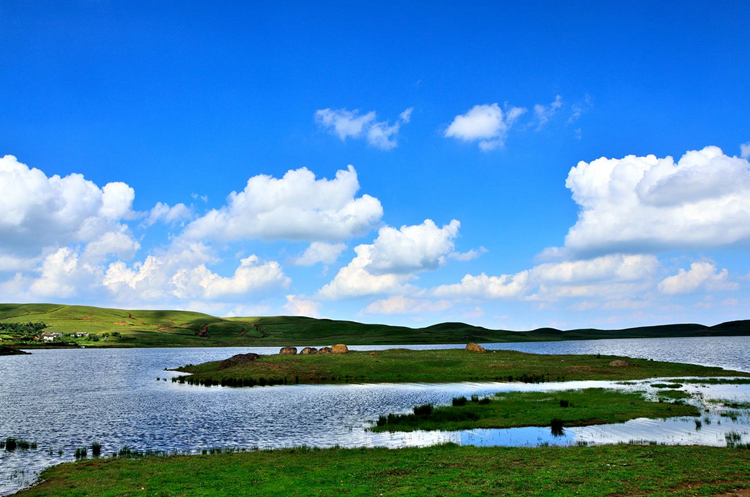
{"type": "Point", "coordinates": [64, 399]}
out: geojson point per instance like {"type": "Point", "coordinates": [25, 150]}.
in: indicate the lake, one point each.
{"type": "Point", "coordinates": [64, 399]}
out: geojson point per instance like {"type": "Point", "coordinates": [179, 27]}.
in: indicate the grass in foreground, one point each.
{"type": "Point", "coordinates": [591, 406]}
{"type": "Point", "coordinates": [440, 470]}
{"type": "Point", "coordinates": [399, 365]}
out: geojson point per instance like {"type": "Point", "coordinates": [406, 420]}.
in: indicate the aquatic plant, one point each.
{"type": "Point", "coordinates": [96, 449]}
{"type": "Point", "coordinates": [556, 427]}
{"type": "Point", "coordinates": [459, 401]}
{"type": "Point", "coordinates": [424, 410]}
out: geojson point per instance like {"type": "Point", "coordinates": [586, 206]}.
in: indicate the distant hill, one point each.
{"type": "Point", "coordinates": [133, 328]}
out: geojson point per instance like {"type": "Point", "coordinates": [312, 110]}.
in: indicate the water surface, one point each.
{"type": "Point", "coordinates": [64, 399]}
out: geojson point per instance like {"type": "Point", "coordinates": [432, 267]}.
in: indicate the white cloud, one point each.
{"type": "Point", "coordinates": [40, 211]}
{"type": "Point", "coordinates": [181, 273]}
{"type": "Point", "coordinates": [543, 113]}
{"type": "Point", "coordinates": [63, 274]}
{"type": "Point", "coordinates": [162, 212]}
{"type": "Point", "coordinates": [745, 150]}
{"type": "Point", "coordinates": [487, 124]}
{"type": "Point", "coordinates": [412, 248]}
{"type": "Point", "coordinates": [297, 306]}
{"type": "Point", "coordinates": [490, 287]}
{"type": "Point", "coordinates": [398, 304]}
{"type": "Point", "coordinates": [355, 280]}
{"type": "Point", "coordinates": [638, 204]}
{"type": "Point", "coordinates": [386, 265]}
{"type": "Point", "coordinates": [701, 275]}
{"type": "Point", "coordinates": [607, 276]}
{"type": "Point", "coordinates": [469, 255]}
{"type": "Point", "coordinates": [350, 124]}
{"type": "Point", "coordinates": [295, 207]}
{"type": "Point", "coordinates": [320, 252]}
{"type": "Point", "coordinates": [251, 276]}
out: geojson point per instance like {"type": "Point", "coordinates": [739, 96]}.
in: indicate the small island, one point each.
{"type": "Point", "coordinates": [429, 366]}
{"type": "Point", "coordinates": [11, 351]}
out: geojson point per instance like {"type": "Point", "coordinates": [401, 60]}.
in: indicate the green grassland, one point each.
{"type": "Point", "coordinates": [591, 406]}
{"type": "Point", "coordinates": [133, 328]}
{"type": "Point", "coordinates": [437, 470]}
{"type": "Point", "coordinates": [401, 365]}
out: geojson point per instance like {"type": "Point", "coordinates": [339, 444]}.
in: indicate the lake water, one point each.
{"type": "Point", "coordinates": [64, 399]}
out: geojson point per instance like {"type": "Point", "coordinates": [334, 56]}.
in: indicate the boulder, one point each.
{"type": "Point", "coordinates": [238, 359]}
{"type": "Point", "coordinates": [619, 363]}
{"type": "Point", "coordinates": [309, 350]}
{"type": "Point", "coordinates": [473, 347]}
{"type": "Point", "coordinates": [340, 348]}
{"type": "Point", "coordinates": [288, 350]}
{"type": "Point", "coordinates": [325, 350]}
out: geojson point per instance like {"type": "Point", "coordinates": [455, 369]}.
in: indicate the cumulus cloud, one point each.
{"type": "Point", "coordinates": [295, 207]}
{"type": "Point", "coordinates": [745, 150]}
{"type": "Point", "coordinates": [320, 252]}
{"type": "Point", "coordinates": [638, 204]}
{"type": "Point", "coordinates": [162, 212]}
{"type": "Point", "coordinates": [297, 306]}
{"type": "Point", "coordinates": [398, 304]}
{"type": "Point", "coordinates": [386, 265]}
{"type": "Point", "coordinates": [487, 124]}
{"type": "Point", "coordinates": [543, 113]}
{"type": "Point", "coordinates": [40, 211]}
{"type": "Point", "coordinates": [701, 275]}
{"type": "Point", "coordinates": [606, 276]}
{"type": "Point", "coordinates": [351, 124]}
{"type": "Point", "coordinates": [181, 273]}
{"type": "Point", "coordinates": [490, 287]}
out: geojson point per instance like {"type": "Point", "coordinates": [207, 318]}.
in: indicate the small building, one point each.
{"type": "Point", "coordinates": [81, 334]}
{"type": "Point", "coordinates": [50, 337]}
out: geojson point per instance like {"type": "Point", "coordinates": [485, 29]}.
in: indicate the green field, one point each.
{"type": "Point", "coordinates": [591, 406]}
{"type": "Point", "coordinates": [438, 470]}
{"type": "Point", "coordinates": [401, 365]}
{"type": "Point", "coordinates": [127, 328]}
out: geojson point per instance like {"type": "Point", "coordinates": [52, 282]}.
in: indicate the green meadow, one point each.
{"type": "Point", "coordinates": [165, 328]}
{"type": "Point", "coordinates": [436, 470]}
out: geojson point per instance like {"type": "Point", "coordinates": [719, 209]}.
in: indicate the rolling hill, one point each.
{"type": "Point", "coordinates": [134, 328]}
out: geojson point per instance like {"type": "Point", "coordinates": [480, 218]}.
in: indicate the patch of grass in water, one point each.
{"type": "Point", "coordinates": [515, 409]}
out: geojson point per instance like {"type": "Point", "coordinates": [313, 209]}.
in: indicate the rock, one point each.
{"type": "Point", "coordinates": [619, 363]}
{"type": "Point", "coordinates": [325, 350]}
{"type": "Point", "coordinates": [238, 359]}
{"type": "Point", "coordinates": [473, 347]}
{"type": "Point", "coordinates": [309, 350]}
{"type": "Point", "coordinates": [288, 350]}
{"type": "Point", "coordinates": [340, 348]}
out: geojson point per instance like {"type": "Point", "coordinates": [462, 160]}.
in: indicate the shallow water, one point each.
{"type": "Point", "coordinates": [63, 399]}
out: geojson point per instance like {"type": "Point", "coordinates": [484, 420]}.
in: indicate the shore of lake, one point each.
{"type": "Point", "coordinates": [437, 470]}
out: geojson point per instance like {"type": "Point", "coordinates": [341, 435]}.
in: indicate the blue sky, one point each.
{"type": "Point", "coordinates": [152, 115]}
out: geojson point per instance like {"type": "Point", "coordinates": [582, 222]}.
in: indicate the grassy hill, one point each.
{"type": "Point", "coordinates": [133, 328]}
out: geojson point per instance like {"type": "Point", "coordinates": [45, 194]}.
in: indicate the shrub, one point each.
{"type": "Point", "coordinates": [423, 410]}
{"type": "Point", "coordinates": [96, 449]}
{"type": "Point", "coordinates": [459, 401]}
{"type": "Point", "coordinates": [564, 403]}
{"type": "Point", "coordinates": [557, 427]}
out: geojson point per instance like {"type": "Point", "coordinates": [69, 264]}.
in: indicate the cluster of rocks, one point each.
{"type": "Point", "coordinates": [336, 349]}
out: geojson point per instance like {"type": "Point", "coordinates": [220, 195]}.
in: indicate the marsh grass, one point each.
{"type": "Point", "coordinates": [515, 409]}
